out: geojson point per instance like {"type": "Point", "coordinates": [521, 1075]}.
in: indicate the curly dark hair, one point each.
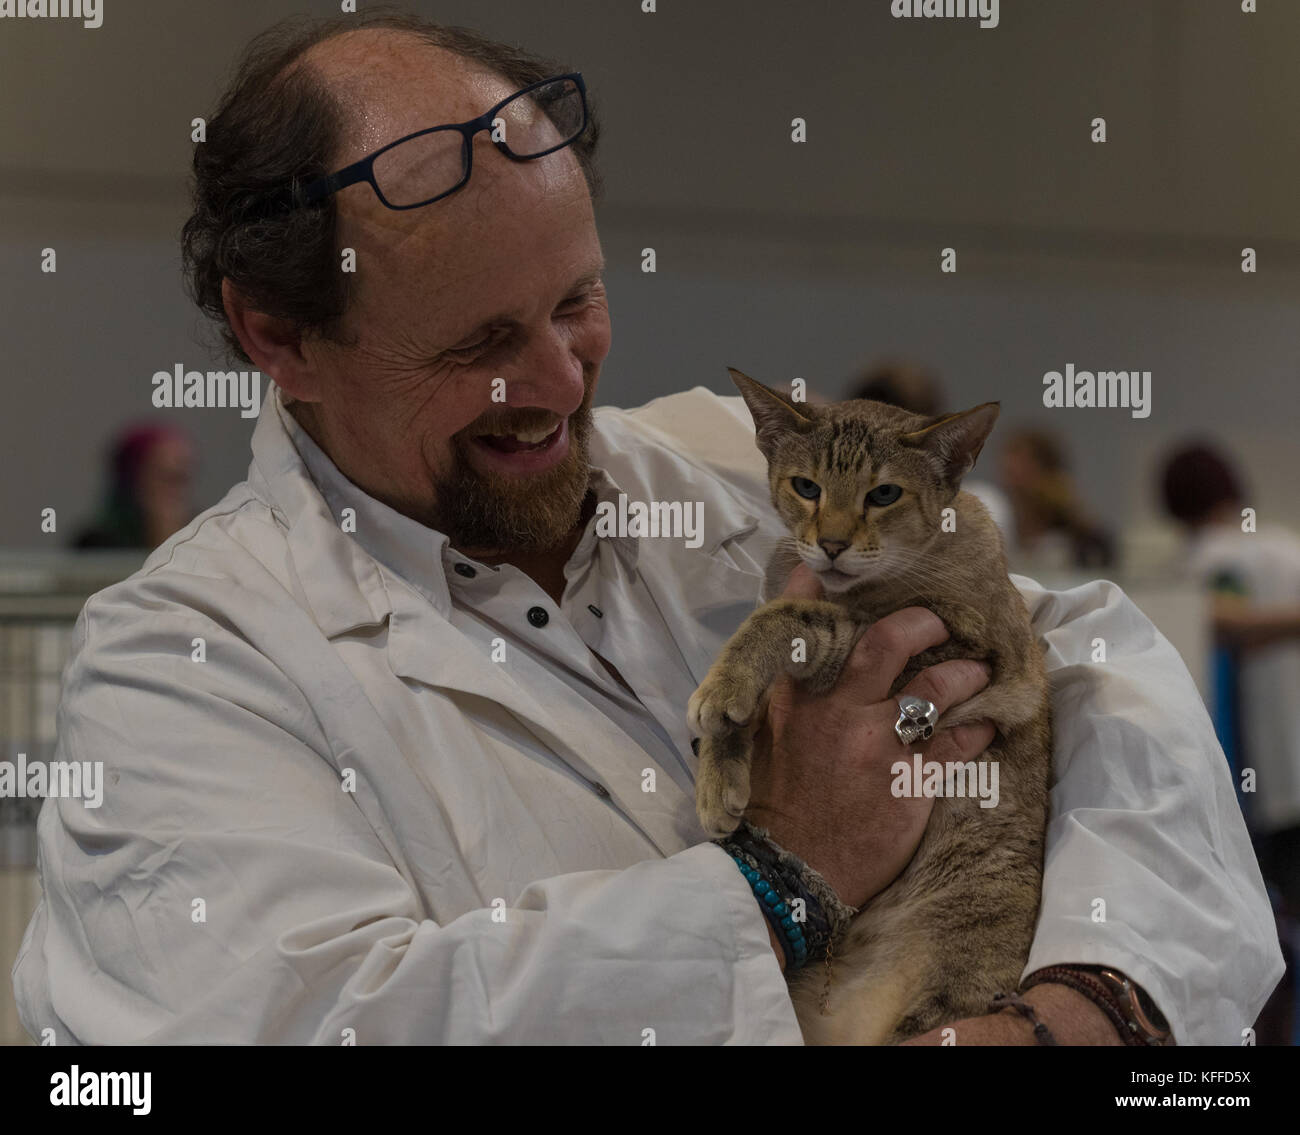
{"type": "Point", "coordinates": [897, 382]}
{"type": "Point", "coordinates": [279, 126]}
{"type": "Point", "coordinates": [1195, 480]}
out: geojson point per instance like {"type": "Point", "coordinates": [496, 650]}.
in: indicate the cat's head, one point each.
{"type": "Point", "coordinates": [861, 485]}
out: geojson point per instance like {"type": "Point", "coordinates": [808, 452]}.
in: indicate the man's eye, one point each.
{"type": "Point", "coordinates": [461, 354]}
{"type": "Point", "coordinates": [577, 301]}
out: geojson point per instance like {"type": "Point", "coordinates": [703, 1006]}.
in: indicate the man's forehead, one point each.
{"type": "Point", "coordinates": [391, 83]}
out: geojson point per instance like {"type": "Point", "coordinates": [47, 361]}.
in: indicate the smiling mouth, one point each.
{"type": "Point", "coordinates": [521, 441]}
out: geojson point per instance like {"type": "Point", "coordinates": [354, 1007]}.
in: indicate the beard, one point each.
{"type": "Point", "coordinates": [489, 511]}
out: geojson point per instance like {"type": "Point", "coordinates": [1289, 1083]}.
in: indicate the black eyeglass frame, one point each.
{"type": "Point", "coordinates": [364, 170]}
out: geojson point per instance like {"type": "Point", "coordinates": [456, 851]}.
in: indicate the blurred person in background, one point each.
{"type": "Point", "coordinates": [1253, 573]}
{"type": "Point", "coordinates": [910, 386]}
{"type": "Point", "coordinates": [1053, 530]}
{"type": "Point", "coordinates": [151, 477]}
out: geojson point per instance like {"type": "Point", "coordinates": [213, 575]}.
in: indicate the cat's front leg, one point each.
{"type": "Point", "coordinates": [722, 780]}
{"type": "Point", "coordinates": [808, 639]}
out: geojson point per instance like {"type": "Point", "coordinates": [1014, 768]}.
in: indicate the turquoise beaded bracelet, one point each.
{"type": "Point", "coordinates": [776, 909]}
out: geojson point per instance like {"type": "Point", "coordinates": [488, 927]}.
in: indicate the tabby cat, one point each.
{"type": "Point", "coordinates": [871, 496]}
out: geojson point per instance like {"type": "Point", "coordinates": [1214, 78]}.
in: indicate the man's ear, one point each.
{"type": "Point", "coordinates": [274, 346]}
{"type": "Point", "coordinates": [955, 440]}
{"type": "Point", "coordinates": [774, 414]}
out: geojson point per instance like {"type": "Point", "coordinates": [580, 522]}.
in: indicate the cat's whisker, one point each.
{"type": "Point", "coordinates": [923, 565]}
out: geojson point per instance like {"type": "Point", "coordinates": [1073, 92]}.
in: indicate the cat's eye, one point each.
{"type": "Point", "coordinates": [882, 495]}
{"type": "Point", "coordinates": [807, 489]}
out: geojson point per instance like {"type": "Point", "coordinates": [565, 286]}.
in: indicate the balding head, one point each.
{"type": "Point", "coordinates": [389, 82]}
{"type": "Point", "coordinates": [280, 124]}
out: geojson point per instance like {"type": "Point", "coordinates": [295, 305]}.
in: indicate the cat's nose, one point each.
{"type": "Point", "coordinates": [832, 548]}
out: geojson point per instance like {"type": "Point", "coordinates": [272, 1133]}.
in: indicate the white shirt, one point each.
{"type": "Point", "coordinates": [1266, 563]}
{"type": "Point", "coordinates": [491, 605]}
{"type": "Point", "coordinates": [349, 823]}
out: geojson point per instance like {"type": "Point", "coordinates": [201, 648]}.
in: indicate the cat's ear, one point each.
{"type": "Point", "coordinates": [774, 413]}
{"type": "Point", "coordinates": [955, 440]}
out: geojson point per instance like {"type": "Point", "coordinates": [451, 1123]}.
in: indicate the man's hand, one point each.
{"type": "Point", "coordinates": [822, 767]}
{"type": "Point", "coordinates": [1070, 1016]}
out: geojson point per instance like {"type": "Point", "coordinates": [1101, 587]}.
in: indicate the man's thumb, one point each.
{"type": "Point", "coordinates": [803, 584]}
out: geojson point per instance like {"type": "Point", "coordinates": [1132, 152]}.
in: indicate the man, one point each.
{"type": "Point", "coordinates": [395, 743]}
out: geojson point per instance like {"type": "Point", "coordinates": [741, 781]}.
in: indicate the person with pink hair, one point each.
{"type": "Point", "coordinates": [151, 475]}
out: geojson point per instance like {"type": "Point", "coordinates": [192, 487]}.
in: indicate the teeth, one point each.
{"type": "Point", "coordinates": [528, 438]}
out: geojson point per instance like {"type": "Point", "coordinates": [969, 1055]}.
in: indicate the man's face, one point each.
{"type": "Point", "coordinates": [494, 289]}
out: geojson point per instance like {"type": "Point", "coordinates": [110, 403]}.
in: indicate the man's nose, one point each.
{"type": "Point", "coordinates": [548, 374]}
{"type": "Point", "coordinates": [832, 548]}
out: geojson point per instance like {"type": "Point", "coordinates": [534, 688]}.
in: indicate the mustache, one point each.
{"type": "Point", "coordinates": [525, 419]}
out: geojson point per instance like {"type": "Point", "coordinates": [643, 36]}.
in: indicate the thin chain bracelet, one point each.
{"type": "Point", "coordinates": [1042, 1034]}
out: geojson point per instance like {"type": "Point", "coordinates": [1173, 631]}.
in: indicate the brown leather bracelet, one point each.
{"type": "Point", "coordinates": [1115, 995]}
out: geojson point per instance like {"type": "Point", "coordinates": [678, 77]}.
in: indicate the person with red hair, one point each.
{"type": "Point", "coordinates": [151, 474]}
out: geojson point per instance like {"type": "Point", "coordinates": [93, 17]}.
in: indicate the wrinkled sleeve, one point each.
{"type": "Point", "coordinates": [1149, 867]}
{"type": "Point", "coordinates": [226, 890]}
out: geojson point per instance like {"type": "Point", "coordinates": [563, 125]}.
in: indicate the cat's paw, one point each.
{"type": "Point", "coordinates": [722, 784]}
{"type": "Point", "coordinates": [965, 622]}
{"type": "Point", "coordinates": [725, 702]}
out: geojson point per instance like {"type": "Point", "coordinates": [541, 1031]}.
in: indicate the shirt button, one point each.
{"type": "Point", "coordinates": [465, 570]}
{"type": "Point", "coordinates": [538, 616]}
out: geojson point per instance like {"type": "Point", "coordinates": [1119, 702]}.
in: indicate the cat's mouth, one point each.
{"type": "Point", "coordinates": [840, 578]}
{"type": "Point", "coordinates": [833, 578]}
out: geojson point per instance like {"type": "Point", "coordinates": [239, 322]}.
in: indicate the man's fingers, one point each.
{"type": "Point", "coordinates": [803, 584]}
{"type": "Point", "coordinates": [881, 653]}
{"type": "Point", "coordinates": [964, 743]}
{"type": "Point", "coordinates": [949, 683]}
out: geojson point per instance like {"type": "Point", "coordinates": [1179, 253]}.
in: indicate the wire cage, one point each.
{"type": "Point", "coordinates": [41, 595]}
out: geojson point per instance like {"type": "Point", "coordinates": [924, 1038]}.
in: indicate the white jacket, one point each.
{"type": "Point", "coordinates": [472, 888]}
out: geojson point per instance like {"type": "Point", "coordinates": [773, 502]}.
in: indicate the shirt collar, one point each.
{"type": "Point", "coordinates": [420, 555]}
{"type": "Point", "coordinates": [607, 492]}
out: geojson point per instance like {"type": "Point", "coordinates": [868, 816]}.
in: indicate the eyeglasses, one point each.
{"type": "Point", "coordinates": [431, 164]}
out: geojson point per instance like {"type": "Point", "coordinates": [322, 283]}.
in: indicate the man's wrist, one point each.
{"type": "Point", "coordinates": [1134, 1018]}
{"type": "Point", "coordinates": [1072, 1018]}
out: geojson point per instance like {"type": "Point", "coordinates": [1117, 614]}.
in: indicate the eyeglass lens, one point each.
{"type": "Point", "coordinates": [529, 125]}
